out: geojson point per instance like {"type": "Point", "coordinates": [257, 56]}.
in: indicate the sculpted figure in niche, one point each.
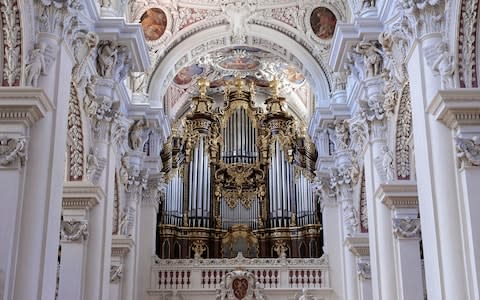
{"type": "Point", "coordinates": [445, 66]}
{"type": "Point", "coordinates": [107, 57]}
{"type": "Point", "coordinates": [135, 136]}
{"type": "Point", "coordinates": [36, 65]}
{"type": "Point", "coordinates": [372, 57]}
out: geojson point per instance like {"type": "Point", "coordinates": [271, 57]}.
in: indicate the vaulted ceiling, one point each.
{"type": "Point", "coordinates": [258, 40]}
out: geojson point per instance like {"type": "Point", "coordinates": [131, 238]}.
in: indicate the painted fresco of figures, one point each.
{"type": "Point", "coordinates": [323, 22]}
{"type": "Point", "coordinates": [154, 23]}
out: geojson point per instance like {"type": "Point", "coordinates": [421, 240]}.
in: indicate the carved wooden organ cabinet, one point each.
{"type": "Point", "coordinates": [238, 177]}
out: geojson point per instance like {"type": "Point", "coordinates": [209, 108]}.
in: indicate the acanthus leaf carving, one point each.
{"type": "Point", "coordinates": [73, 230]}
{"type": "Point", "coordinates": [424, 17]}
{"type": "Point", "coordinates": [76, 151]}
{"type": "Point", "coordinates": [406, 227]}
{"type": "Point", "coordinates": [12, 42]}
{"type": "Point", "coordinates": [403, 135]}
{"type": "Point", "coordinates": [12, 150]}
{"type": "Point", "coordinates": [466, 44]}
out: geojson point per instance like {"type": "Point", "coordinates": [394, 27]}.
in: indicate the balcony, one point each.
{"type": "Point", "coordinates": [276, 277]}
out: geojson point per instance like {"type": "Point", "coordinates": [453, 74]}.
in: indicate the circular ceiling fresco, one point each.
{"type": "Point", "coordinates": [154, 22]}
{"type": "Point", "coordinates": [323, 22]}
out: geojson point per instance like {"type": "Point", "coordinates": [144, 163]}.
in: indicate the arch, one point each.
{"type": "Point", "coordinates": [166, 249]}
{"type": "Point", "coordinates": [218, 37]}
{"type": "Point", "coordinates": [313, 248]}
{"type": "Point", "coordinates": [177, 250]}
{"type": "Point", "coordinates": [302, 250]}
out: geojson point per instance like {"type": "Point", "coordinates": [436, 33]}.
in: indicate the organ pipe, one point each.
{"type": "Point", "coordinates": [242, 127]}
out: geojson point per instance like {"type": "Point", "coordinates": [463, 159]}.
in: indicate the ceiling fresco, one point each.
{"type": "Point", "coordinates": [253, 64]}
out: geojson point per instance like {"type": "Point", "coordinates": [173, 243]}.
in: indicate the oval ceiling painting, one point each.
{"type": "Point", "coordinates": [323, 22]}
{"type": "Point", "coordinates": [239, 63]}
{"type": "Point", "coordinates": [154, 22]}
{"type": "Point", "coordinates": [185, 75]}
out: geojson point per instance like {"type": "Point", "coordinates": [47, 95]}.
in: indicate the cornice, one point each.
{"type": "Point", "coordinates": [121, 245]}
{"type": "Point", "coordinates": [347, 35]}
{"type": "Point", "coordinates": [358, 244]}
{"type": "Point", "coordinates": [456, 107]}
{"type": "Point", "coordinates": [81, 195]}
{"type": "Point", "coordinates": [23, 104]}
{"type": "Point", "coordinates": [398, 194]}
{"type": "Point", "coordinates": [130, 35]}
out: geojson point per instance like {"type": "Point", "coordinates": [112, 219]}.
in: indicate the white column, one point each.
{"type": "Point", "coordinates": [137, 182]}
{"type": "Point", "coordinates": [37, 255]}
{"type": "Point", "coordinates": [332, 235]}
{"type": "Point", "coordinates": [148, 228]}
{"type": "Point", "coordinates": [401, 197]}
{"type": "Point", "coordinates": [358, 245]}
{"type": "Point", "coordinates": [20, 108]}
{"type": "Point", "coordinates": [121, 247]}
{"type": "Point", "coordinates": [459, 110]}
{"type": "Point", "coordinates": [437, 191]}
{"type": "Point", "coordinates": [78, 199]}
{"type": "Point", "coordinates": [379, 219]}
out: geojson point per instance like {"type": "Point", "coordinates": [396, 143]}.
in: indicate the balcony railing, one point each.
{"type": "Point", "coordinates": [184, 275]}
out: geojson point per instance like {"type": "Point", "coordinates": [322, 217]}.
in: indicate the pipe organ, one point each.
{"type": "Point", "coordinates": [238, 178]}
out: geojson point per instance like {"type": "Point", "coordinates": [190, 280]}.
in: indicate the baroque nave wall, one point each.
{"type": "Point", "coordinates": [395, 125]}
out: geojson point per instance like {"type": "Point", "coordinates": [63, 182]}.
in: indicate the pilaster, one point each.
{"type": "Point", "coordinates": [401, 197]}
{"type": "Point", "coordinates": [359, 246]}
{"type": "Point", "coordinates": [459, 111]}
{"type": "Point", "coordinates": [20, 109]}
{"type": "Point", "coordinates": [78, 199]}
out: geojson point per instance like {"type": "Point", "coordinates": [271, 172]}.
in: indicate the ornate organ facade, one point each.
{"type": "Point", "coordinates": [238, 175]}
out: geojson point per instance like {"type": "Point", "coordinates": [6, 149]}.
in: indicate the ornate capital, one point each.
{"type": "Point", "coordinates": [468, 151]}
{"type": "Point", "coordinates": [363, 270]}
{"type": "Point", "coordinates": [404, 228]}
{"type": "Point", "coordinates": [57, 17]}
{"type": "Point", "coordinates": [73, 230]}
{"type": "Point", "coordinates": [12, 151]}
{"type": "Point", "coordinates": [424, 17]}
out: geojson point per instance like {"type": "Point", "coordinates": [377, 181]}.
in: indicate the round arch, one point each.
{"type": "Point", "coordinates": [215, 38]}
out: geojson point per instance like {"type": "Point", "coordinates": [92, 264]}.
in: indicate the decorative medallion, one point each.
{"type": "Point", "coordinates": [323, 22]}
{"type": "Point", "coordinates": [154, 22]}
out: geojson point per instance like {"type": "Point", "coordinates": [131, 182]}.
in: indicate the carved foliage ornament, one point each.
{"type": "Point", "coordinates": [12, 42]}
{"type": "Point", "coordinates": [406, 227]}
{"type": "Point", "coordinates": [12, 150]}
{"type": "Point", "coordinates": [424, 17]}
{"type": "Point", "coordinates": [466, 44]}
{"type": "Point", "coordinates": [363, 270]}
{"type": "Point", "coordinates": [116, 273]}
{"type": "Point", "coordinates": [73, 230]}
{"type": "Point", "coordinates": [468, 151]}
